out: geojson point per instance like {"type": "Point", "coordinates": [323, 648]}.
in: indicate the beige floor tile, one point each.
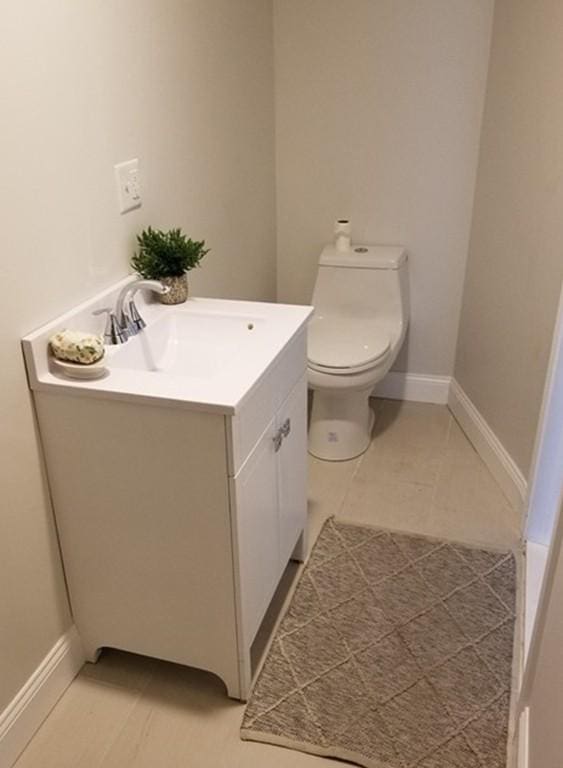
{"type": "Point", "coordinates": [458, 441]}
{"type": "Point", "coordinates": [464, 486]}
{"type": "Point", "coordinates": [468, 504]}
{"type": "Point", "coordinates": [391, 462]}
{"type": "Point", "coordinates": [81, 728]}
{"type": "Point", "coordinates": [498, 530]}
{"type": "Point", "coordinates": [328, 481]}
{"type": "Point", "coordinates": [413, 423]}
{"type": "Point", "coordinates": [398, 506]}
{"type": "Point", "coordinates": [439, 487]}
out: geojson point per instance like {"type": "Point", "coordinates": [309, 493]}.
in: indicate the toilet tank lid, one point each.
{"type": "Point", "coordinates": [364, 256]}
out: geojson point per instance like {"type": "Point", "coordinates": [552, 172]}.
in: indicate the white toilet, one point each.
{"type": "Point", "coordinates": [361, 301]}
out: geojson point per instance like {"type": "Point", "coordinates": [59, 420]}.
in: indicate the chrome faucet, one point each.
{"type": "Point", "coordinates": [113, 334]}
{"type": "Point", "coordinates": [123, 323]}
{"type": "Point", "coordinates": [129, 319]}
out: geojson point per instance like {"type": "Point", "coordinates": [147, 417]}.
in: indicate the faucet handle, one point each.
{"type": "Point", "coordinates": [136, 319]}
{"type": "Point", "coordinates": [113, 334]}
{"type": "Point", "coordinates": [125, 322]}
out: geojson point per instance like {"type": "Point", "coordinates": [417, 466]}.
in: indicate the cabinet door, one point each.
{"type": "Point", "coordinates": [292, 469]}
{"type": "Point", "coordinates": [256, 514]}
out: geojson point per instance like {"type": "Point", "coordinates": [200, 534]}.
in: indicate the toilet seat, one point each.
{"type": "Point", "coordinates": [343, 345]}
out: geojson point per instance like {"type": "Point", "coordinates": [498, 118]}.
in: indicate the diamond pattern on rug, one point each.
{"type": "Point", "coordinates": [445, 571]}
{"type": "Point", "coordinates": [354, 535]}
{"type": "Point", "coordinates": [314, 649]}
{"type": "Point", "coordinates": [503, 582]}
{"type": "Point", "coordinates": [339, 582]}
{"type": "Point", "coordinates": [418, 721]}
{"type": "Point", "coordinates": [387, 668]}
{"type": "Point", "coordinates": [464, 683]}
{"type": "Point", "coordinates": [415, 547]}
{"type": "Point", "coordinates": [360, 622]}
{"type": "Point", "coordinates": [278, 670]}
{"type": "Point", "coordinates": [455, 754]}
{"type": "Point", "coordinates": [333, 700]}
{"type": "Point", "coordinates": [492, 649]}
{"type": "Point", "coordinates": [370, 738]}
{"type": "Point", "coordinates": [378, 558]}
{"type": "Point", "coordinates": [395, 652]}
{"type": "Point", "coordinates": [488, 734]}
{"type": "Point", "coordinates": [304, 606]}
{"type": "Point", "coordinates": [480, 560]}
{"type": "Point", "coordinates": [433, 636]}
{"type": "Point", "coordinates": [405, 596]}
{"type": "Point", "coordinates": [476, 609]}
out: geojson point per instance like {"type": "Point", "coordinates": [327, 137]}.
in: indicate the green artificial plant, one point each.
{"type": "Point", "coordinates": [166, 254]}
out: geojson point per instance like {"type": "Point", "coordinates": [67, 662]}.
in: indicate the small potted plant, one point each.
{"type": "Point", "coordinates": [168, 257]}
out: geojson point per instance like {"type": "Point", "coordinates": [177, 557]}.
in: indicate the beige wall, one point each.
{"type": "Point", "coordinates": [515, 263]}
{"type": "Point", "coordinates": [188, 88]}
{"type": "Point", "coordinates": [379, 109]}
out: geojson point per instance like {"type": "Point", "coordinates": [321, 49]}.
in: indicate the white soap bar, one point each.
{"type": "Point", "coordinates": [77, 347]}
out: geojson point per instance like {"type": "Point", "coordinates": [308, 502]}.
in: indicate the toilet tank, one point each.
{"type": "Point", "coordinates": [366, 281]}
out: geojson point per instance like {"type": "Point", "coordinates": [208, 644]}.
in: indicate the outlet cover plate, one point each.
{"type": "Point", "coordinates": [128, 184]}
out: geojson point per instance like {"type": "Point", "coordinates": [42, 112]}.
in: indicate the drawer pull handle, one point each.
{"type": "Point", "coordinates": [286, 428]}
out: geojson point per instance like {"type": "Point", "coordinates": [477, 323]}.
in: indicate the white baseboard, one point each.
{"type": "Point", "coordinates": [31, 705]}
{"type": "Point", "coordinates": [488, 446]}
{"type": "Point", "coordinates": [414, 386]}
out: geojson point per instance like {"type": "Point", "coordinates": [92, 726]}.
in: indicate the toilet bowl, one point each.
{"type": "Point", "coordinates": [361, 302]}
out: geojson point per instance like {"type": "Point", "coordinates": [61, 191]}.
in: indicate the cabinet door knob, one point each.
{"type": "Point", "coordinates": [282, 432]}
{"type": "Point", "coordinates": [277, 440]}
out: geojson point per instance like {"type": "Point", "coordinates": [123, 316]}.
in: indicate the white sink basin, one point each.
{"type": "Point", "coordinates": [205, 354]}
{"type": "Point", "coordinates": [200, 344]}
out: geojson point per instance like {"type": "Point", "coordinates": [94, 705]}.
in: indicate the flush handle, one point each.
{"type": "Point", "coordinates": [285, 428]}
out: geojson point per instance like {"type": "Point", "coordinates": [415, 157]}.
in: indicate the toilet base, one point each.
{"type": "Point", "coordinates": [341, 425]}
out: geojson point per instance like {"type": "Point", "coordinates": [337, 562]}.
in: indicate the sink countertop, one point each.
{"type": "Point", "coordinates": [206, 354]}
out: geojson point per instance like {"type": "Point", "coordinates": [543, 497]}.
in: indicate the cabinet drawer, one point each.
{"type": "Point", "coordinates": [246, 426]}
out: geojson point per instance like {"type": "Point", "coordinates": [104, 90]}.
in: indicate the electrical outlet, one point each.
{"type": "Point", "coordinates": [128, 185]}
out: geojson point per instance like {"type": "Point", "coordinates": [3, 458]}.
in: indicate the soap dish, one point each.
{"type": "Point", "coordinates": [79, 370]}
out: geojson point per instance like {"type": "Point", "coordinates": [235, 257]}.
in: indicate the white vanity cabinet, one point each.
{"type": "Point", "coordinates": [177, 520]}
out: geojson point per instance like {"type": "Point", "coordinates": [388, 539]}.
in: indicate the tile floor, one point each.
{"type": "Point", "coordinates": [420, 474]}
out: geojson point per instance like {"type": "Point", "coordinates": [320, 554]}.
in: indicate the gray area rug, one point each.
{"type": "Point", "coordinates": [395, 651]}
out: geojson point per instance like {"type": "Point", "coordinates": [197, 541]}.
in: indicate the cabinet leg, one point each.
{"type": "Point", "coordinates": [300, 551]}
{"type": "Point", "coordinates": [238, 680]}
{"type": "Point", "coordinates": [239, 688]}
{"type": "Point", "coordinates": [245, 676]}
{"type": "Point", "coordinates": [91, 652]}
{"type": "Point", "coordinates": [233, 689]}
